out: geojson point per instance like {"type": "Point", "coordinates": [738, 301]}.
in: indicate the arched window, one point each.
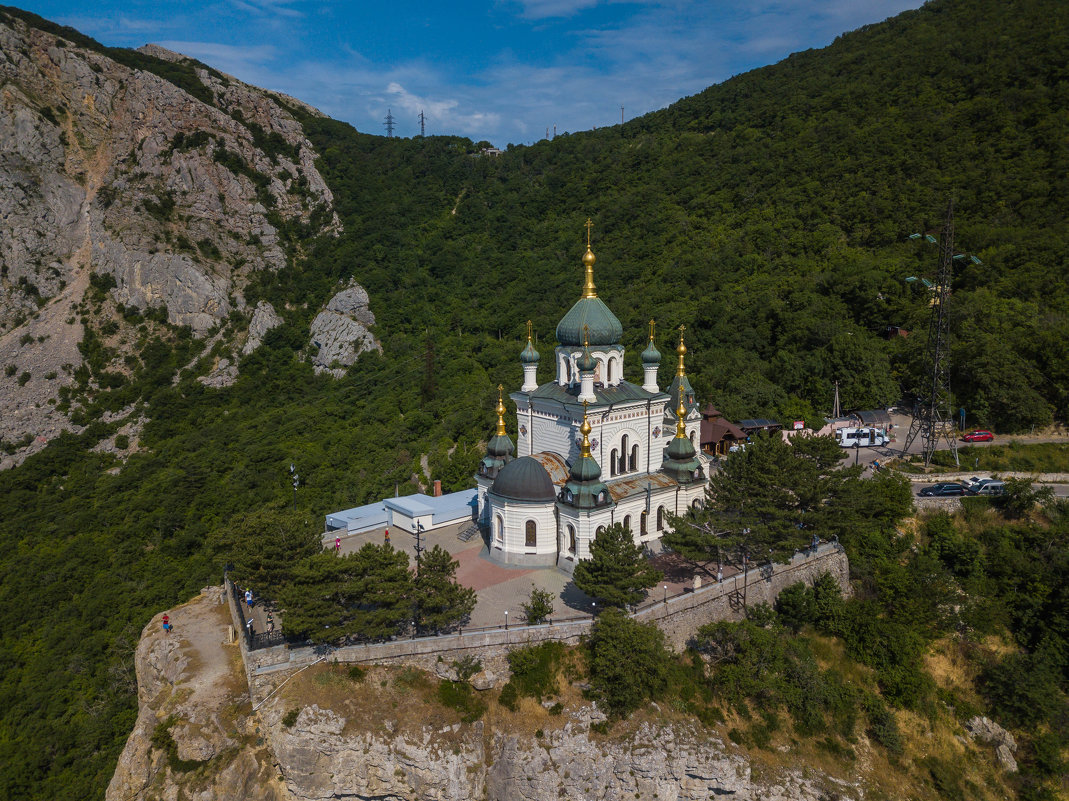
{"type": "Point", "coordinates": [608, 371]}
{"type": "Point", "coordinates": [623, 454]}
{"type": "Point", "coordinates": [499, 530]}
{"type": "Point", "coordinates": [599, 532]}
{"type": "Point", "coordinates": [643, 523]}
{"type": "Point", "coordinates": [613, 458]}
{"type": "Point", "coordinates": [531, 539]}
{"type": "Point", "coordinates": [660, 518]}
{"type": "Point", "coordinates": [627, 522]}
{"type": "Point", "coordinates": [571, 539]}
{"type": "Point", "coordinates": [633, 464]}
{"type": "Point", "coordinates": [601, 497]}
{"type": "Point", "coordinates": [692, 438]}
{"type": "Point", "coordinates": [697, 503]}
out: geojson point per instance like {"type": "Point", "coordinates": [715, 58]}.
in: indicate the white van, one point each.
{"type": "Point", "coordinates": [861, 437]}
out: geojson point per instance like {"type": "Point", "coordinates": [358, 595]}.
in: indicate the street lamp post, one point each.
{"type": "Point", "coordinates": [506, 620]}
{"type": "Point", "coordinates": [418, 530]}
{"type": "Point", "coordinates": [666, 594]}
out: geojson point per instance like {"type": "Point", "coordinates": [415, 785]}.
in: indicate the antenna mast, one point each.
{"type": "Point", "coordinates": [389, 122]}
{"type": "Point", "coordinates": [932, 416]}
{"type": "Point", "coordinates": [422, 130]}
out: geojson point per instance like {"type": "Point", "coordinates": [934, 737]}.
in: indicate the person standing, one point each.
{"type": "Point", "coordinates": [166, 624]}
{"type": "Point", "coordinates": [248, 598]}
{"type": "Point", "coordinates": [387, 537]}
{"type": "Point", "coordinates": [337, 545]}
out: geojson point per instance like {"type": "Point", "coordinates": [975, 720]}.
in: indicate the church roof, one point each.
{"type": "Point", "coordinates": [589, 316]}
{"type": "Point", "coordinates": [524, 479]}
{"type": "Point", "coordinates": [605, 396]}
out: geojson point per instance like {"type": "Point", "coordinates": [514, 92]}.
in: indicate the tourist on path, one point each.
{"type": "Point", "coordinates": [166, 625]}
{"type": "Point", "coordinates": [387, 537]}
{"type": "Point", "coordinates": [248, 598]}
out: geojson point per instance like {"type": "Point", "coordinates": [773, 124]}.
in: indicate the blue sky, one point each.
{"type": "Point", "coordinates": [502, 70]}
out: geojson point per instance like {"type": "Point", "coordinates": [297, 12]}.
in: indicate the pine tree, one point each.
{"type": "Point", "coordinates": [440, 602]}
{"type": "Point", "coordinates": [617, 573]}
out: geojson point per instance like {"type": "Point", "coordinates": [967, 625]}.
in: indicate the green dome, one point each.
{"type": "Point", "coordinates": [586, 363]}
{"type": "Point", "coordinates": [500, 445]}
{"type": "Point", "coordinates": [524, 479]}
{"type": "Point", "coordinates": [529, 354]}
{"type": "Point", "coordinates": [586, 469]}
{"type": "Point", "coordinates": [651, 355]}
{"type": "Point", "coordinates": [589, 315]}
{"type": "Point", "coordinates": [681, 449]}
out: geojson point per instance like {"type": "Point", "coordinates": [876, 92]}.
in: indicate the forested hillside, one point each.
{"type": "Point", "coordinates": [769, 214]}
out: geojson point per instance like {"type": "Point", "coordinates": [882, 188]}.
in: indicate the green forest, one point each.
{"type": "Point", "coordinates": [770, 214]}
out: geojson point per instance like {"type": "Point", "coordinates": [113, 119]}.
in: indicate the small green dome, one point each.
{"type": "Point", "coordinates": [529, 354]}
{"type": "Point", "coordinates": [681, 449]}
{"type": "Point", "coordinates": [589, 316]}
{"type": "Point", "coordinates": [587, 363]}
{"type": "Point", "coordinates": [500, 445]}
{"type": "Point", "coordinates": [651, 355]}
{"type": "Point", "coordinates": [586, 469]}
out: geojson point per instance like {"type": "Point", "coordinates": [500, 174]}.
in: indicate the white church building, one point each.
{"type": "Point", "coordinates": [592, 448]}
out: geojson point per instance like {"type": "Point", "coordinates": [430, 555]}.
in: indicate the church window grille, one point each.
{"type": "Point", "coordinates": [571, 539]}
{"type": "Point", "coordinates": [531, 539]}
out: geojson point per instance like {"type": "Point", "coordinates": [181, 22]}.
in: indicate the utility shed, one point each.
{"type": "Point", "coordinates": [406, 513]}
{"type": "Point", "coordinates": [759, 424]}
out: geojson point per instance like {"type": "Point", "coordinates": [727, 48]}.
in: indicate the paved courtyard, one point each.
{"type": "Point", "coordinates": [501, 587]}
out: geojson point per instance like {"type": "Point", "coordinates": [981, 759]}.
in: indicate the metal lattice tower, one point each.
{"type": "Point", "coordinates": [422, 129]}
{"type": "Point", "coordinates": [389, 122]}
{"type": "Point", "coordinates": [932, 413]}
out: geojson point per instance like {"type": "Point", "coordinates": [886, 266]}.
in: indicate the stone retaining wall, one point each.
{"type": "Point", "coordinates": [679, 618]}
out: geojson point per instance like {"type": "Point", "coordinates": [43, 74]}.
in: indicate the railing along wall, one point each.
{"type": "Point", "coordinates": [679, 616]}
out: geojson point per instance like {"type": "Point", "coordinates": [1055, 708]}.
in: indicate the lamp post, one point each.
{"type": "Point", "coordinates": [418, 530]}
{"type": "Point", "coordinates": [666, 594]}
{"type": "Point", "coordinates": [506, 620]}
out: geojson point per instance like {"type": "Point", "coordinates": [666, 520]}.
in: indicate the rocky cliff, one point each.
{"type": "Point", "coordinates": [145, 181]}
{"type": "Point", "coordinates": [380, 733]}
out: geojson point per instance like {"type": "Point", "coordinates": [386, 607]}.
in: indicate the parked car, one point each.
{"type": "Point", "coordinates": [978, 436]}
{"type": "Point", "coordinates": [861, 437]}
{"type": "Point", "coordinates": [992, 487]}
{"type": "Point", "coordinates": [942, 490]}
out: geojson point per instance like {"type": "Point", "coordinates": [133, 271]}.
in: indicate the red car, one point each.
{"type": "Point", "coordinates": [979, 436]}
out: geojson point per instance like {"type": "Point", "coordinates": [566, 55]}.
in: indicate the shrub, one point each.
{"type": "Point", "coordinates": [509, 697]}
{"type": "Point", "coordinates": [357, 673]}
{"type": "Point", "coordinates": [534, 669]}
{"type": "Point", "coordinates": [290, 717]}
{"type": "Point", "coordinates": [466, 667]}
{"type": "Point", "coordinates": [122, 442]}
{"type": "Point", "coordinates": [539, 607]}
{"type": "Point", "coordinates": [24, 379]}
{"type": "Point", "coordinates": [459, 695]}
{"type": "Point", "coordinates": [628, 662]}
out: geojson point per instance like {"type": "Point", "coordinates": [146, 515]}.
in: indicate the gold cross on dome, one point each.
{"type": "Point", "coordinates": [589, 225]}
{"type": "Point", "coordinates": [652, 324]}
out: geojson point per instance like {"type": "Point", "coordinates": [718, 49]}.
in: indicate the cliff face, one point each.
{"type": "Point", "coordinates": [125, 197]}
{"type": "Point", "coordinates": [323, 734]}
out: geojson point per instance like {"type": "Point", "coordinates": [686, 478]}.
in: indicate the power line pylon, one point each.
{"type": "Point", "coordinates": [932, 413]}
{"type": "Point", "coordinates": [389, 123]}
{"type": "Point", "coordinates": [422, 129]}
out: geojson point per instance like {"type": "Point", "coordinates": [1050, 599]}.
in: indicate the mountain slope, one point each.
{"type": "Point", "coordinates": [169, 201]}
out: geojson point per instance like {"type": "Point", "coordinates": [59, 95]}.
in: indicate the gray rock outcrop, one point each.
{"type": "Point", "coordinates": [264, 318]}
{"type": "Point", "coordinates": [339, 333]}
{"type": "Point", "coordinates": [987, 731]}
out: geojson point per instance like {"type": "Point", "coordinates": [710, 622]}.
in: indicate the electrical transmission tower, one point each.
{"type": "Point", "coordinates": [932, 412]}
{"type": "Point", "coordinates": [389, 122]}
{"type": "Point", "coordinates": [422, 130]}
